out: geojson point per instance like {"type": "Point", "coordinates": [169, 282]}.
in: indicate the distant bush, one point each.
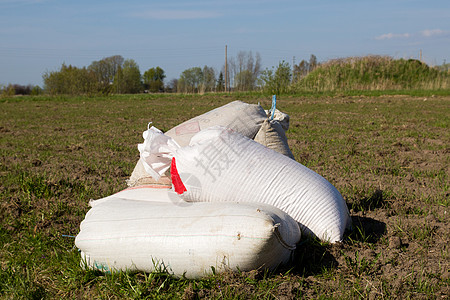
{"type": "Point", "coordinates": [8, 90]}
{"type": "Point", "coordinates": [373, 73]}
{"type": "Point", "coordinates": [112, 74]}
{"type": "Point", "coordinates": [70, 80]}
{"type": "Point", "coordinates": [18, 89]}
{"type": "Point", "coordinates": [276, 81]}
{"type": "Point", "coordinates": [37, 90]}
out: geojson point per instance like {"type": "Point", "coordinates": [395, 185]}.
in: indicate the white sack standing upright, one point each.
{"type": "Point", "coordinates": [240, 116]}
{"type": "Point", "coordinates": [272, 135]}
{"type": "Point", "coordinates": [222, 165]}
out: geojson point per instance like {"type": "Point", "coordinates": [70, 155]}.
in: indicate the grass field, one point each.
{"type": "Point", "coordinates": [389, 156]}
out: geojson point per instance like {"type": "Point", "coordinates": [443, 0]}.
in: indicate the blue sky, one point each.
{"type": "Point", "coordinates": [39, 35]}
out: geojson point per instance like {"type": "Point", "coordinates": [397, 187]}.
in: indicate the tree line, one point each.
{"type": "Point", "coordinates": [112, 74]}
{"type": "Point", "coordinates": [18, 89]}
{"type": "Point", "coordinates": [117, 75]}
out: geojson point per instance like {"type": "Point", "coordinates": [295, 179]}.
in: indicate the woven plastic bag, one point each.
{"type": "Point", "coordinates": [240, 116]}
{"type": "Point", "coordinates": [221, 165]}
{"type": "Point", "coordinates": [134, 231]}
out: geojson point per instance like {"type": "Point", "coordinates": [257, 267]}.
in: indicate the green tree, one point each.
{"type": "Point", "coordinates": [208, 79]}
{"type": "Point", "coordinates": [70, 80]}
{"type": "Point", "coordinates": [244, 81]}
{"type": "Point", "coordinates": [277, 81]}
{"type": "Point", "coordinates": [304, 68]}
{"type": "Point", "coordinates": [105, 71]}
{"type": "Point", "coordinates": [245, 69]}
{"type": "Point", "coordinates": [36, 90]}
{"type": "Point", "coordinates": [172, 87]}
{"type": "Point", "coordinates": [128, 78]}
{"type": "Point", "coordinates": [190, 80]}
{"type": "Point", "coordinates": [9, 90]}
{"type": "Point", "coordinates": [117, 86]}
{"type": "Point", "coordinates": [300, 70]}
{"type": "Point", "coordinates": [220, 87]}
{"type": "Point", "coordinates": [181, 84]}
{"type": "Point", "coordinates": [154, 79]}
{"type": "Point", "coordinates": [312, 63]}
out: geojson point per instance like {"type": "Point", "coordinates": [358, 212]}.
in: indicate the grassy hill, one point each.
{"type": "Point", "coordinates": [374, 73]}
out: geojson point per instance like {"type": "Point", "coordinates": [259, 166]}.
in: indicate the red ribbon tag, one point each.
{"type": "Point", "coordinates": [176, 180]}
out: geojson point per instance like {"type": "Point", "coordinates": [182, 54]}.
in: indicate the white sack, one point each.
{"type": "Point", "coordinates": [240, 116]}
{"type": "Point", "coordinates": [271, 134]}
{"type": "Point", "coordinates": [279, 116]}
{"type": "Point", "coordinates": [188, 239]}
{"type": "Point", "coordinates": [222, 165]}
{"type": "Point", "coordinates": [152, 193]}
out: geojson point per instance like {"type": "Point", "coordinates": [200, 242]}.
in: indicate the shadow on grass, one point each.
{"type": "Point", "coordinates": [366, 230]}
{"type": "Point", "coordinates": [376, 200]}
{"type": "Point", "coordinates": [313, 257]}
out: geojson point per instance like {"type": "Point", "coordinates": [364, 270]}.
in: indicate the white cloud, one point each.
{"type": "Point", "coordinates": [433, 32]}
{"type": "Point", "coordinates": [427, 33]}
{"type": "Point", "coordinates": [178, 14]}
{"type": "Point", "coordinates": [389, 36]}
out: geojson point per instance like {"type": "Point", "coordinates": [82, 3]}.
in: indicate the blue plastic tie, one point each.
{"type": "Point", "coordinates": [66, 235]}
{"type": "Point", "coordinates": [274, 106]}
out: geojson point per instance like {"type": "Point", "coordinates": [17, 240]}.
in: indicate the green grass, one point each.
{"type": "Point", "coordinates": [386, 153]}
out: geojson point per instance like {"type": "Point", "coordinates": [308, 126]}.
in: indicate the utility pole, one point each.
{"type": "Point", "coordinates": [293, 67]}
{"type": "Point", "coordinates": [226, 70]}
{"type": "Point", "coordinates": [420, 55]}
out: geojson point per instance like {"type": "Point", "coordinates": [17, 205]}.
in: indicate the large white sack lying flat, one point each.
{"type": "Point", "coordinates": [240, 116]}
{"type": "Point", "coordinates": [189, 239]}
{"type": "Point", "coordinates": [222, 165]}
